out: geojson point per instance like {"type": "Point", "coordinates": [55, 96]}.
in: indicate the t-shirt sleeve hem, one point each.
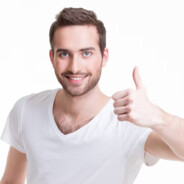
{"type": "Point", "coordinates": [149, 160]}
{"type": "Point", "coordinates": [12, 143]}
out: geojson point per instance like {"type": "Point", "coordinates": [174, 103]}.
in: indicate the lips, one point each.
{"type": "Point", "coordinates": [76, 78]}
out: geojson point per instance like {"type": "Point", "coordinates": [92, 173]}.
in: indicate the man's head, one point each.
{"type": "Point", "coordinates": [77, 53]}
{"type": "Point", "coordinates": [78, 16]}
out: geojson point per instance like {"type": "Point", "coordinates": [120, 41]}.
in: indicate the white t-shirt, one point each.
{"type": "Point", "coordinates": [104, 151]}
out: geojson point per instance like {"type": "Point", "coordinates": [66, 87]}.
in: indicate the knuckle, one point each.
{"type": "Point", "coordinates": [130, 100]}
{"type": "Point", "coordinates": [129, 116]}
{"type": "Point", "coordinates": [119, 118]}
{"type": "Point", "coordinates": [130, 91]}
{"type": "Point", "coordinates": [115, 111]}
{"type": "Point", "coordinates": [130, 108]}
{"type": "Point", "coordinates": [125, 117]}
{"type": "Point", "coordinates": [115, 104]}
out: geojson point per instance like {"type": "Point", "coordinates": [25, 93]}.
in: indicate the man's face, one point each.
{"type": "Point", "coordinates": [77, 59]}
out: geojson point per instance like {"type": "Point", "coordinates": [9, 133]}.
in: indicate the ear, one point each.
{"type": "Point", "coordinates": [51, 57]}
{"type": "Point", "coordinates": [105, 57]}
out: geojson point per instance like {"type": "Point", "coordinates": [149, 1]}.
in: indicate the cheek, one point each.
{"type": "Point", "coordinates": [95, 62]}
{"type": "Point", "coordinates": [59, 65]}
{"type": "Point", "coordinates": [94, 67]}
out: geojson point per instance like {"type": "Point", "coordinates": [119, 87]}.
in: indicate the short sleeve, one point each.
{"type": "Point", "coordinates": [12, 129]}
{"type": "Point", "coordinates": [134, 142]}
{"type": "Point", "coordinates": [149, 159]}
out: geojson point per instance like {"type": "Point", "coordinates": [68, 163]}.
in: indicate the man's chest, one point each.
{"type": "Point", "coordinates": [69, 125]}
{"type": "Point", "coordinates": [82, 158]}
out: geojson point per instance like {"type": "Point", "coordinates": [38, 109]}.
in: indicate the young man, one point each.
{"type": "Point", "coordinates": [77, 134]}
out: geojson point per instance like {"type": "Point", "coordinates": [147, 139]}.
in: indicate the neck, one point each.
{"type": "Point", "coordinates": [81, 106]}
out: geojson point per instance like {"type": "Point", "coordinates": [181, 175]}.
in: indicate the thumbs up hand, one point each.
{"type": "Point", "coordinates": [133, 105]}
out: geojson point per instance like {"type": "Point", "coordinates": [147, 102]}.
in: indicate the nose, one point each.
{"type": "Point", "coordinates": [74, 64]}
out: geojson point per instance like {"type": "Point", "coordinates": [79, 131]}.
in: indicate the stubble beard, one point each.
{"type": "Point", "coordinates": [73, 91]}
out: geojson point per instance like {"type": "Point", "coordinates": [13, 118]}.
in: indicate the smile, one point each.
{"type": "Point", "coordinates": [76, 79]}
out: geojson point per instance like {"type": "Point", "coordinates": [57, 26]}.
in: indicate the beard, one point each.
{"type": "Point", "coordinates": [75, 91]}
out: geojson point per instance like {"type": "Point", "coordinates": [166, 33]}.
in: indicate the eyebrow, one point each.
{"type": "Point", "coordinates": [88, 48]}
{"type": "Point", "coordinates": [68, 50]}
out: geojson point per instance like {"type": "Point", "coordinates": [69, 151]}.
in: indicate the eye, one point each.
{"type": "Point", "coordinates": [63, 54]}
{"type": "Point", "coordinates": [86, 53]}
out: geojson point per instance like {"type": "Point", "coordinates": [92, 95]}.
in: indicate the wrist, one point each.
{"type": "Point", "coordinates": [160, 119]}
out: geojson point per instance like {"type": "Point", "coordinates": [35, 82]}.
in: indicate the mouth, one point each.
{"type": "Point", "coordinates": [76, 79]}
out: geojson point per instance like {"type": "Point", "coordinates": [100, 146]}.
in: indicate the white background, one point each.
{"type": "Point", "coordinates": [146, 33]}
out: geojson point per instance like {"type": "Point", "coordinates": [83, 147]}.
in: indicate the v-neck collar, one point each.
{"type": "Point", "coordinates": [90, 123]}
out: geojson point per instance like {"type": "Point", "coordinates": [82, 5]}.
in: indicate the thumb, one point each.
{"type": "Point", "coordinates": [137, 79]}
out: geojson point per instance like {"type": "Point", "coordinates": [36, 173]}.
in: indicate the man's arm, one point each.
{"type": "Point", "coordinates": [15, 171]}
{"type": "Point", "coordinates": [156, 146]}
{"type": "Point", "coordinates": [167, 139]}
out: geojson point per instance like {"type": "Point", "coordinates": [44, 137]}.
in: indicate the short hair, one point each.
{"type": "Point", "coordinates": [78, 16]}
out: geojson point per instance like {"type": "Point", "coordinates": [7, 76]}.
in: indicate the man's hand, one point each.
{"type": "Point", "coordinates": [133, 105]}
{"type": "Point", "coordinates": [167, 139]}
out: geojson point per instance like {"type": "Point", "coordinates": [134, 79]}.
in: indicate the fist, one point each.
{"type": "Point", "coordinates": [133, 105]}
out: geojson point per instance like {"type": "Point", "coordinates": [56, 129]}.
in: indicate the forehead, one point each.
{"type": "Point", "coordinates": [76, 37]}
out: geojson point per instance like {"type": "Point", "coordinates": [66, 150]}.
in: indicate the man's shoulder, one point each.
{"type": "Point", "coordinates": [38, 97]}
{"type": "Point", "coordinates": [42, 95]}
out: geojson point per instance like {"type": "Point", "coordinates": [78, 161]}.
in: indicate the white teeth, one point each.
{"type": "Point", "coordinates": [75, 78]}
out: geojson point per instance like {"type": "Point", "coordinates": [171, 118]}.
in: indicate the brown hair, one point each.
{"type": "Point", "coordinates": [78, 16]}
